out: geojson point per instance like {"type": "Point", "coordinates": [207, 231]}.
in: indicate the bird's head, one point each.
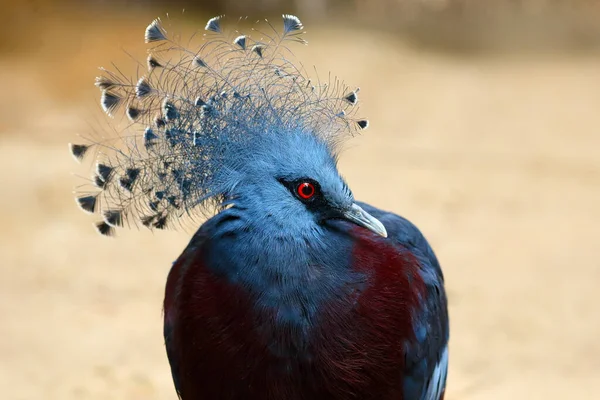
{"type": "Point", "coordinates": [234, 121]}
{"type": "Point", "coordinates": [291, 181]}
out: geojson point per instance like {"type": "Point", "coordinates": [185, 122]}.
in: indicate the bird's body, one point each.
{"type": "Point", "coordinates": [293, 290]}
{"type": "Point", "coordinates": [355, 321]}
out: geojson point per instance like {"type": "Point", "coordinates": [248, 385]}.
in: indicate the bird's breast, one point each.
{"type": "Point", "coordinates": [294, 331]}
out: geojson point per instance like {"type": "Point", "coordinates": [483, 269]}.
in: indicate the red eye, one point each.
{"type": "Point", "coordinates": [306, 190]}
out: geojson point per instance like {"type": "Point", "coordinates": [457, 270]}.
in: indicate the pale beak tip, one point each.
{"type": "Point", "coordinates": [380, 229]}
{"type": "Point", "coordinates": [366, 220]}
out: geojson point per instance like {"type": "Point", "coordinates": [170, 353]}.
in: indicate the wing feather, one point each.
{"type": "Point", "coordinates": [437, 382]}
{"type": "Point", "coordinates": [427, 357]}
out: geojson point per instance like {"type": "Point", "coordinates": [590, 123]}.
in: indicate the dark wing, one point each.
{"type": "Point", "coordinates": [427, 357]}
{"type": "Point", "coordinates": [167, 331]}
{"type": "Point", "coordinates": [172, 292]}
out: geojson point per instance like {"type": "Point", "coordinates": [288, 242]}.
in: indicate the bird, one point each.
{"type": "Point", "coordinates": [290, 288]}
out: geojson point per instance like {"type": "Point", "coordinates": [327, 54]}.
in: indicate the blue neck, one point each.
{"type": "Point", "coordinates": [289, 272]}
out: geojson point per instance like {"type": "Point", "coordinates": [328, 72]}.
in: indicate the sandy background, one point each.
{"type": "Point", "coordinates": [495, 157]}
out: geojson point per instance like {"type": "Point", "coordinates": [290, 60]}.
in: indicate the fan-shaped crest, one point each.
{"type": "Point", "coordinates": [193, 109]}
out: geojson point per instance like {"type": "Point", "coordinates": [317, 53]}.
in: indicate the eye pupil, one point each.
{"type": "Point", "coordinates": [306, 190]}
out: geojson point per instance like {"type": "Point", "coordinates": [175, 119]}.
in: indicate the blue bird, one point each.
{"type": "Point", "coordinates": [291, 289]}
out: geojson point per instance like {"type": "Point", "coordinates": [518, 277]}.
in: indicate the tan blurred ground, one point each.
{"type": "Point", "coordinates": [497, 159]}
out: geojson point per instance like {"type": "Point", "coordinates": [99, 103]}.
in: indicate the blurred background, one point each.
{"type": "Point", "coordinates": [485, 132]}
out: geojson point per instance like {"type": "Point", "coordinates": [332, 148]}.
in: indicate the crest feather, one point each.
{"type": "Point", "coordinates": [194, 115]}
{"type": "Point", "coordinates": [155, 32]}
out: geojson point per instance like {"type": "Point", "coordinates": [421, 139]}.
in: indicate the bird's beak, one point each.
{"type": "Point", "coordinates": [362, 218]}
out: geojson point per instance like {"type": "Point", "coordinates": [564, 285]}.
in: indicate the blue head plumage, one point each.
{"type": "Point", "coordinates": [235, 119]}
